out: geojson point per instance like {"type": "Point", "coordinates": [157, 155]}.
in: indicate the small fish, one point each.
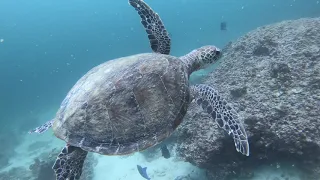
{"type": "Point", "coordinates": [165, 152]}
{"type": "Point", "coordinates": [223, 26]}
{"type": "Point", "coordinates": [143, 172]}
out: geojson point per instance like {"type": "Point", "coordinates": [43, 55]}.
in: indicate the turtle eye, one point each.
{"type": "Point", "coordinates": [218, 52]}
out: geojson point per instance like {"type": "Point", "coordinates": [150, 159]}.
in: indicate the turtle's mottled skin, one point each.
{"type": "Point", "coordinates": [125, 105]}
{"type": "Point", "coordinates": [128, 104]}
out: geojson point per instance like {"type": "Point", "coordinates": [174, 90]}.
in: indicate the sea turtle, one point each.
{"type": "Point", "coordinates": [131, 103]}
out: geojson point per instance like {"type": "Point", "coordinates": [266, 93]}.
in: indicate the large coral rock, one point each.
{"type": "Point", "coordinates": [272, 78]}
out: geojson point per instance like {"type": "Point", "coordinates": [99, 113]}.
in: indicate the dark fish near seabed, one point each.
{"type": "Point", "coordinates": [143, 172]}
{"type": "Point", "coordinates": [165, 152]}
{"type": "Point", "coordinates": [223, 26]}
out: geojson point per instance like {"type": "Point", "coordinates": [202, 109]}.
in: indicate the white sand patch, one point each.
{"type": "Point", "coordinates": [125, 168]}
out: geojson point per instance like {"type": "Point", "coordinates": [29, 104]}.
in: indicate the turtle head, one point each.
{"type": "Point", "coordinates": [208, 55]}
{"type": "Point", "coordinates": [202, 57]}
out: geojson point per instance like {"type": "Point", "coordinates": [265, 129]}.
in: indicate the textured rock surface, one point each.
{"type": "Point", "coordinates": [272, 77]}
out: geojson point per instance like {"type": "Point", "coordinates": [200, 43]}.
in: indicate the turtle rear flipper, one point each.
{"type": "Point", "coordinates": [69, 163]}
{"type": "Point", "coordinates": [158, 36]}
{"type": "Point", "coordinates": [42, 128]}
{"type": "Point", "coordinates": [221, 111]}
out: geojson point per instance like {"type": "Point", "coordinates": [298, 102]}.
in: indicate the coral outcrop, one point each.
{"type": "Point", "coordinates": [272, 77]}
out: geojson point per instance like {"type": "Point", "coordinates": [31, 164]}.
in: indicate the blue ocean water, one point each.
{"type": "Point", "coordinates": [46, 46]}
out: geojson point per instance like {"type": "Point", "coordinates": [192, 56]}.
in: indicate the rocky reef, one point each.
{"type": "Point", "coordinates": [272, 77]}
{"type": "Point", "coordinates": [41, 169]}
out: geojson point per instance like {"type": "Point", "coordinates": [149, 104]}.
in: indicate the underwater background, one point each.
{"type": "Point", "coordinates": [46, 46]}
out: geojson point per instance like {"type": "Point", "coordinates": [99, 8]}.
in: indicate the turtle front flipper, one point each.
{"type": "Point", "coordinates": [69, 163]}
{"type": "Point", "coordinates": [226, 117]}
{"type": "Point", "coordinates": [42, 128]}
{"type": "Point", "coordinates": [157, 33]}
